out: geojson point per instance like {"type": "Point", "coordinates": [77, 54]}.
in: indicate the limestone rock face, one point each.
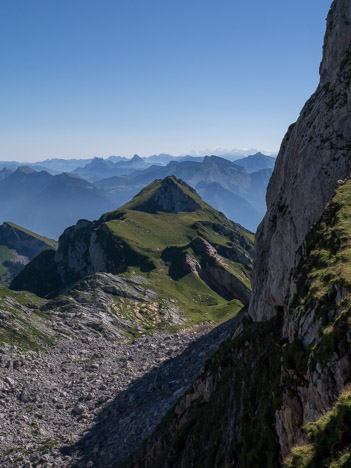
{"type": "Point", "coordinates": [314, 156]}
{"type": "Point", "coordinates": [214, 271]}
{"type": "Point", "coordinates": [337, 40]}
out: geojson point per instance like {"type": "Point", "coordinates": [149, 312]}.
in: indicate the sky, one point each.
{"type": "Point", "coordinates": [82, 78]}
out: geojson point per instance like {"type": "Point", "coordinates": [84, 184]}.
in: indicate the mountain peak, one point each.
{"type": "Point", "coordinates": [218, 161]}
{"type": "Point", "coordinates": [170, 195]}
{"type": "Point", "coordinates": [136, 157]}
{"type": "Point", "coordinates": [24, 170]}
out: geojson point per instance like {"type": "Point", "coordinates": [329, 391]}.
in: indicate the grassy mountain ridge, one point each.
{"type": "Point", "coordinates": [48, 203]}
{"type": "Point", "coordinates": [202, 245]}
{"type": "Point", "coordinates": [20, 229]}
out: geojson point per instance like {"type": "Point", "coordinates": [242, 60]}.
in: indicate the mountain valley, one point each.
{"type": "Point", "coordinates": [158, 331]}
{"type": "Point", "coordinates": [135, 296]}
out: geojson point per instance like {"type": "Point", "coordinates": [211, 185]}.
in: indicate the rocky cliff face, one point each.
{"type": "Point", "coordinates": [274, 394]}
{"type": "Point", "coordinates": [213, 269]}
{"type": "Point", "coordinates": [263, 397]}
{"type": "Point", "coordinates": [172, 199]}
{"type": "Point", "coordinates": [314, 156]}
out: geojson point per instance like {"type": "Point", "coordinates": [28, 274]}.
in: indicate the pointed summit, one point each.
{"type": "Point", "coordinates": [137, 158]}
{"type": "Point", "coordinates": [170, 195]}
{"type": "Point", "coordinates": [24, 170]}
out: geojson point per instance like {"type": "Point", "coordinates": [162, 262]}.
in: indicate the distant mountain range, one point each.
{"type": "Point", "coordinates": [231, 154]}
{"type": "Point", "coordinates": [57, 165]}
{"type": "Point", "coordinates": [256, 162]}
{"type": "Point", "coordinates": [226, 185]}
{"type": "Point", "coordinates": [47, 203]}
{"type": "Point", "coordinates": [99, 168]}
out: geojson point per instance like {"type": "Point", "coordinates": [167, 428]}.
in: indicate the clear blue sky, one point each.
{"type": "Point", "coordinates": [101, 77]}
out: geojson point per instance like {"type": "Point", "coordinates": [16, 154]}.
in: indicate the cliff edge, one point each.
{"type": "Point", "coordinates": [314, 156]}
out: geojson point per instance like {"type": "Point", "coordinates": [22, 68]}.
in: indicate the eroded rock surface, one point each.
{"type": "Point", "coordinates": [314, 156]}
{"type": "Point", "coordinates": [170, 198]}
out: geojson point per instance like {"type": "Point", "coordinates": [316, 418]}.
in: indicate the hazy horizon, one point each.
{"type": "Point", "coordinates": [84, 78]}
{"type": "Point", "coordinates": [199, 153]}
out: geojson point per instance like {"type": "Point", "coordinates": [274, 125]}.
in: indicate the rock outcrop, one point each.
{"type": "Point", "coordinates": [314, 156]}
{"type": "Point", "coordinates": [171, 198]}
{"type": "Point", "coordinates": [214, 271]}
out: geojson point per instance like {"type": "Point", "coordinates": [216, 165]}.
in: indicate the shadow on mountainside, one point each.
{"type": "Point", "coordinates": [125, 422]}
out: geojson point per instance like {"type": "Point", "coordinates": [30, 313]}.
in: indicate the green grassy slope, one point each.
{"type": "Point", "coordinates": [328, 439]}
{"type": "Point", "coordinates": [138, 239]}
{"type": "Point", "coordinates": [325, 286]}
{"type": "Point", "coordinates": [22, 323]}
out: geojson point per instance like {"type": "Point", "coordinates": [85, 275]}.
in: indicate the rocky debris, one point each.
{"type": "Point", "coordinates": [112, 305]}
{"type": "Point", "coordinates": [314, 156]}
{"type": "Point", "coordinates": [134, 287]}
{"type": "Point", "coordinates": [102, 304]}
{"type": "Point", "coordinates": [92, 401]}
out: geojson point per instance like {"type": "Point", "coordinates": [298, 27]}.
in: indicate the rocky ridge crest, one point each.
{"type": "Point", "coordinates": [172, 199]}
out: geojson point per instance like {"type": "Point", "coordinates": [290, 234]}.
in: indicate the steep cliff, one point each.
{"type": "Point", "coordinates": [314, 156]}
{"type": "Point", "coordinates": [277, 393]}
{"type": "Point", "coordinates": [277, 387]}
